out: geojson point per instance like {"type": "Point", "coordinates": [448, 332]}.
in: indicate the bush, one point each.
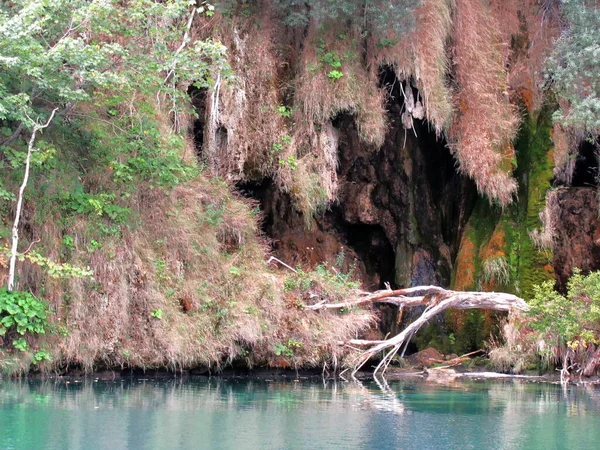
{"type": "Point", "coordinates": [22, 312]}
{"type": "Point", "coordinates": [574, 318]}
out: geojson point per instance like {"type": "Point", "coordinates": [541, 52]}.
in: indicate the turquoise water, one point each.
{"type": "Point", "coordinates": [218, 414]}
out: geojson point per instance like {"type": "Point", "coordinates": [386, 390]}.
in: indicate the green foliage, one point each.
{"type": "Point", "coordinates": [377, 16]}
{"type": "Point", "coordinates": [94, 245]}
{"type": "Point", "coordinates": [101, 204]}
{"type": "Point", "coordinates": [332, 59]}
{"type": "Point", "coordinates": [61, 51]}
{"type": "Point", "coordinates": [56, 270]}
{"type": "Point", "coordinates": [574, 66]}
{"type": "Point", "coordinates": [145, 153]}
{"type": "Point", "coordinates": [23, 312]}
{"type": "Point", "coordinates": [214, 214]}
{"type": "Point", "coordinates": [20, 344]}
{"type": "Point", "coordinates": [329, 281]}
{"type": "Point", "coordinates": [157, 314]}
{"type": "Point", "coordinates": [68, 242]}
{"type": "Point", "coordinates": [572, 318]}
{"type": "Point", "coordinates": [290, 162]}
{"type": "Point", "coordinates": [335, 75]}
{"type": "Point", "coordinates": [41, 356]}
{"type": "Point", "coordinates": [288, 349]}
{"type": "Point", "coordinates": [285, 111]}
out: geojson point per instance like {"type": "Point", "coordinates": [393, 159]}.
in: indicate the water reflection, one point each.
{"type": "Point", "coordinates": [151, 414]}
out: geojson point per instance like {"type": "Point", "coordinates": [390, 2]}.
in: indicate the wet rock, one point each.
{"type": "Point", "coordinates": [577, 237]}
{"type": "Point", "coordinates": [425, 358]}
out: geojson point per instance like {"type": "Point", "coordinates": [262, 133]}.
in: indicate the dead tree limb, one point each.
{"type": "Point", "coordinates": [15, 228]}
{"type": "Point", "coordinates": [398, 297]}
{"type": "Point", "coordinates": [436, 300]}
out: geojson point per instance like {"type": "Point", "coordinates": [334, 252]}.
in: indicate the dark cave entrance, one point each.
{"type": "Point", "coordinates": [401, 207]}
{"type": "Point", "coordinates": [587, 173]}
{"type": "Point", "coordinates": [369, 243]}
{"type": "Point", "coordinates": [261, 191]}
{"type": "Point", "coordinates": [400, 214]}
{"type": "Point", "coordinates": [198, 98]}
{"type": "Point", "coordinates": [375, 250]}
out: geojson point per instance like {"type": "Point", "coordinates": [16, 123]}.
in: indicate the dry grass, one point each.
{"type": "Point", "coordinates": [434, 20]}
{"type": "Point", "coordinates": [496, 271]}
{"type": "Point", "coordinates": [195, 256]}
{"type": "Point", "coordinates": [245, 106]}
{"type": "Point", "coordinates": [544, 238]}
{"type": "Point", "coordinates": [193, 253]}
{"type": "Point", "coordinates": [528, 30]}
{"type": "Point", "coordinates": [178, 253]}
{"type": "Point", "coordinates": [420, 56]}
{"type": "Point", "coordinates": [319, 98]}
{"type": "Point", "coordinates": [521, 349]}
{"type": "Point", "coordinates": [485, 123]}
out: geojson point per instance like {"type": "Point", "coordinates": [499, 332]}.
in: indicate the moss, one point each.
{"type": "Point", "coordinates": [479, 229]}
{"type": "Point", "coordinates": [464, 274]}
{"type": "Point", "coordinates": [493, 233]}
{"type": "Point", "coordinates": [534, 173]}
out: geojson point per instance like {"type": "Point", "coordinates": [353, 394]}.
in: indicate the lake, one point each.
{"type": "Point", "coordinates": [232, 414]}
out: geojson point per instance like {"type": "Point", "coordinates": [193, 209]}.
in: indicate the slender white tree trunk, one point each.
{"type": "Point", "coordinates": [19, 209]}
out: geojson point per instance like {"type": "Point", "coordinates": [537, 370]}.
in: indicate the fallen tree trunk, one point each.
{"type": "Point", "coordinates": [435, 298]}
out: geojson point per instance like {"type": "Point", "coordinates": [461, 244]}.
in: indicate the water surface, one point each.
{"type": "Point", "coordinates": [219, 414]}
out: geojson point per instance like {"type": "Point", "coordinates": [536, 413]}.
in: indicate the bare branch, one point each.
{"type": "Point", "coordinates": [15, 229]}
{"type": "Point", "coordinates": [397, 297]}
{"type": "Point", "coordinates": [435, 298]}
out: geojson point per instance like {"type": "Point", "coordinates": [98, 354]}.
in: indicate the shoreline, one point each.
{"type": "Point", "coordinates": [267, 375]}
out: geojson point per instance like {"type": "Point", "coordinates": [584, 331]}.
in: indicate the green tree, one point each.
{"type": "Point", "coordinates": [574, 67]}
{"type": "Point", "coordinates": [56, 55]}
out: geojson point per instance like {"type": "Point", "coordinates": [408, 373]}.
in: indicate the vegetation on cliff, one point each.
{"type": "Point", "coordinates": [118, 208]}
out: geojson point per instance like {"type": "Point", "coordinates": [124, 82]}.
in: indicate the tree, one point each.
{"type": "Point", "coordinates": [574, 67]}
{"type": "Point", "coordinates": [57, 55]}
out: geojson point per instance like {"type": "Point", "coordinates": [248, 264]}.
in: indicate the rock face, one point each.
{"type": "Point", "coordinates": [577, 238]}
{"type": "Point", "coordinates": [425, 358]}
{"type": "Point", "coordinates": [400, 212]}
{"type": "Point", "coordinates": [409, 188]}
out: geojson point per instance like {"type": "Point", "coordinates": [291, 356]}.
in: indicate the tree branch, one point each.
{"type": "Point", "coordinates": [435, 298]}
{"type": "Point", "coordinates": [15, 229]}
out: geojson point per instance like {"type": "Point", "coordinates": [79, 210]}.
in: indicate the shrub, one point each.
{"type": "Point", "coordinates": [22, 312]}
{"type": "Point", "coordinates": [572, 318]}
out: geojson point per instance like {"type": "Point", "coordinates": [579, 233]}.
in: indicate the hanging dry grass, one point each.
{"type": "Point", "coordinates": [242, 122]}
{"type": "Point", "coordinates": [544, 238]}
{"type": "Point", "coordinates": [434, 20]}
{"type": "Point", "coordinates": [320, 95]}
{"type": "Point", "coordinates": [527, 31]}
{"type": "Point", "coordinates": [420, 56]}
{"type": "Point", "coordinates": [485, 123]}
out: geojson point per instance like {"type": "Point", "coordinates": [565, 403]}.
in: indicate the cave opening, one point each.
{"type": "Point", "coordinates": [261, 191]}
{"type": "Point", "coordinates": [587, 170]}
{"type": "Point", "coordinates": [439, 183]}
{"type": "Point", "coordinates": [401, 207]}
{"type": "Point", "coordinates": [198, 98]}
{"type": "Point", "coordinates": [374, 249]}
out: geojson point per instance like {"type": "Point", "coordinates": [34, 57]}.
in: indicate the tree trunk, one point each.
{"type": "Point", "coordinates": [437, 300]}
{"type": "Point", "coordinates": [15, 228]}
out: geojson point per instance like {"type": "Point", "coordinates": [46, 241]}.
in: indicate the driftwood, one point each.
{"type": "Point", "coordinates": [436, 300]}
